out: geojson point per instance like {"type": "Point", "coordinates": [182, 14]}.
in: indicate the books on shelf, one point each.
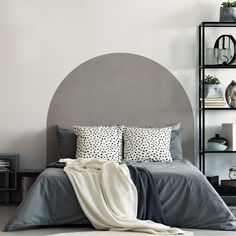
{"type": "Point", "coordinates": [213, 102]}
{"type": "Point", "coordinates": [4, 165]}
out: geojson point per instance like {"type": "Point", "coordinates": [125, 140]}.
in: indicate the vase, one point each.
{"type": "Point", "coordinates": [217, 143]}
{"type": "Point", "coordinates": [230, 94]}
{"type": "Point", "coordinates": [213, 91]}
{"type": "Point", "coordinates": [228, 14]}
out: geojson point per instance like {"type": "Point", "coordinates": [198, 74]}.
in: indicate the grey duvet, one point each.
{"type": "Point", "coordinates": [187, 200]}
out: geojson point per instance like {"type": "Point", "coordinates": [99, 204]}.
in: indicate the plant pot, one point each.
{"type": "Point", "coordinates": [228, 14]}
{"type": "Point", "coordinates": [213, 91]}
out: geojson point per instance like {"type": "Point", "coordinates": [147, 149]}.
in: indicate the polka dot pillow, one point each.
{"type": "Point", "coordinates": [99, 142]}
{"type": "Point", "coordinates": [147, 144]}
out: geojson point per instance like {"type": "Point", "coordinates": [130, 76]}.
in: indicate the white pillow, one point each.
{"type": "Point", "coordinates": [147, 144]}
{"type": "Point", "coordinates": [99, 142]}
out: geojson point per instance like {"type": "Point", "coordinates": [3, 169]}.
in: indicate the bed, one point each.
{"type": "Point", "coordinates": [130, 90]}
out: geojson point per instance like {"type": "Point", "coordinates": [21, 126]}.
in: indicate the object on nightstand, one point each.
{"type": "Point", "coordinates": [26, 183]}
{"type": "Point", "coordinates": [232, 181]}
{"type": "Point", "coordinates": [229, 132]}
{"type": "Point", "coordinates": [214, 180]}
{"type": "Point", "coordinates": [27, 178]}
{"type": "Point", "coordinates": [232, 173]}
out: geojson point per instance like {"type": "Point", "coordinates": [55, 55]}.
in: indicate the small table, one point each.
{"type": "Point", "coordinates": [11, 182]}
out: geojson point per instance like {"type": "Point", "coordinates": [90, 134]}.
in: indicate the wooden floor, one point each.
{"type": "Point", "coordinates": [6, 212]}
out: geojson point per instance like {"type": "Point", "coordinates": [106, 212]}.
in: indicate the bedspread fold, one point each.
{"type": "Point", "coordinates": [149, 202]}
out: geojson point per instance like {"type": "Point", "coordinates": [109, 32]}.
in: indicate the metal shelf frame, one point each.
{"type": "Point", "coordinates": [201, 75]}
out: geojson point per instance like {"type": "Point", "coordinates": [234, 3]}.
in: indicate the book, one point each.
{"type": "Point", "coordinates": [228, 183]}
{"type": "Point", "coordinates": [214, 105]}
{"type": "Point", "coordinates": [214, 102]}
{"type": "Point", "coordinates": [213, 99]}
{"type": "Point", "coordinates": [229, 133]}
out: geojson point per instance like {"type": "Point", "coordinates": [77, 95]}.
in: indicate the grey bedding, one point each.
{"type": "Point", "coordinates": [187, 199]}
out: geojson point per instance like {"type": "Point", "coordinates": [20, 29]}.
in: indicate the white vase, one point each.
{"type": "Point", "coordinates": [213, 91]}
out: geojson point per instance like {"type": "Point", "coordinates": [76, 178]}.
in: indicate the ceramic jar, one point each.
{"type": "Point", "coordinates": [217, 143]}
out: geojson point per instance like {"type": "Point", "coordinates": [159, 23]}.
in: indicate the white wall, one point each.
{"type": "Point", "coordinates": [42, 41]}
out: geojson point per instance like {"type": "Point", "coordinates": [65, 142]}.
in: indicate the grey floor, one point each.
{"type": "Point", "coordinates": [6, 212]}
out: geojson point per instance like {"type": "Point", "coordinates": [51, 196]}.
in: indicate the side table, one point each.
{"type": "Point", "coordinates": [8, 175]}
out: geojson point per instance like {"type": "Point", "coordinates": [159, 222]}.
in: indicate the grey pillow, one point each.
{"type": "Point", "coordinates": [66, 143]}
{"type": "Point", "coordinates": [176, 144]}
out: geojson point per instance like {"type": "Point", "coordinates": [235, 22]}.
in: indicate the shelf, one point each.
{"type": "Point", "coordinates": [203, 69]}
{"type": "Point", "coordinates": [7, 171]}
{"type": "Point", "coordinates": [226, 151]}
{"type": "Point", "coordinates": [7, 189]}
{"type": "Point", "coordinates": [217, 24]}
{"type": "Point", "coordinates": [218, 108]}
{"type": "Point", "coordinates": [233, 66]}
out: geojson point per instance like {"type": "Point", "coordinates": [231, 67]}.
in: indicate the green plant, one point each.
{"type": "Point", "coordinates": [209, 79]}
{"type": "Point", "coordinates": [228, 4]}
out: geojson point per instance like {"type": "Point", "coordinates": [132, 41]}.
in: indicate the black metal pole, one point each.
{"type": "Point", "coordinates": [203, 100]}
{"type": "Point", "coordinates": [199, 95]}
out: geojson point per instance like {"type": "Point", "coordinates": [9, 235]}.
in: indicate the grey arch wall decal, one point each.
{"type": "Point", "coordinates": [120, 88]}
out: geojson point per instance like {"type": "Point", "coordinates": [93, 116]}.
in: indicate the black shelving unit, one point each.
{"type": "Point", "coordinates": [201, 106]}
{"type": "Point", "coordinates": [15, 182]}
{"type": "Point", "coordinates": [8, 177]}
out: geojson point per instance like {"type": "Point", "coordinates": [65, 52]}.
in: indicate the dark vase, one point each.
{"type": "Point", "coordinates": [230, 94]}
{"type": "Point", "coordinates": [217, 143]}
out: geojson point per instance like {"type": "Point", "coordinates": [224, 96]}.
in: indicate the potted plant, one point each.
{"type": "Point", "coordinates": [212, 87]}
{"type": "Point", "coordinates": [228, 11]}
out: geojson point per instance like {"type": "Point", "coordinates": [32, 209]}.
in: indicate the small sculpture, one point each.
{"type": "Point", "coordinates": [230, 94]}
{"type": "Point", "coordinates": [217, 143]}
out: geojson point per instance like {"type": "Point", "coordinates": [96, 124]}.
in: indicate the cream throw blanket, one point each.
{"type": "Point", "coordinates": [108, 196]}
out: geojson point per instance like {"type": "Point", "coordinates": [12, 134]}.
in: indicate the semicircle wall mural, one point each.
{"type": "Point", "coordinates": [124, 89]}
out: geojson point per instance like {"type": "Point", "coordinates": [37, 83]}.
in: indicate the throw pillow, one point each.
{"type": "Point", "coordinates": [147, 144]}
{"type": "Point", "coordinates": [101, 142]}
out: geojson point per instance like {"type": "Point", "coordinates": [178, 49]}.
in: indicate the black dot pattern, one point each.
{"type": "Point", "coordinates": [99, 142]}
{"type": "Point", "coordinates": [147, 144]}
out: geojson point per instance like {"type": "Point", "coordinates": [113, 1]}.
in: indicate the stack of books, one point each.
{"type": "Point", "coordinates": [214, 102]}
{"type": "Point", "coordinates": [228, 183]}
{"type": "Point", "coordinates": [4, 165]}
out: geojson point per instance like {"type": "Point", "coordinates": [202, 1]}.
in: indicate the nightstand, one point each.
{"type": "Point", "coordinates": [8, 176]}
